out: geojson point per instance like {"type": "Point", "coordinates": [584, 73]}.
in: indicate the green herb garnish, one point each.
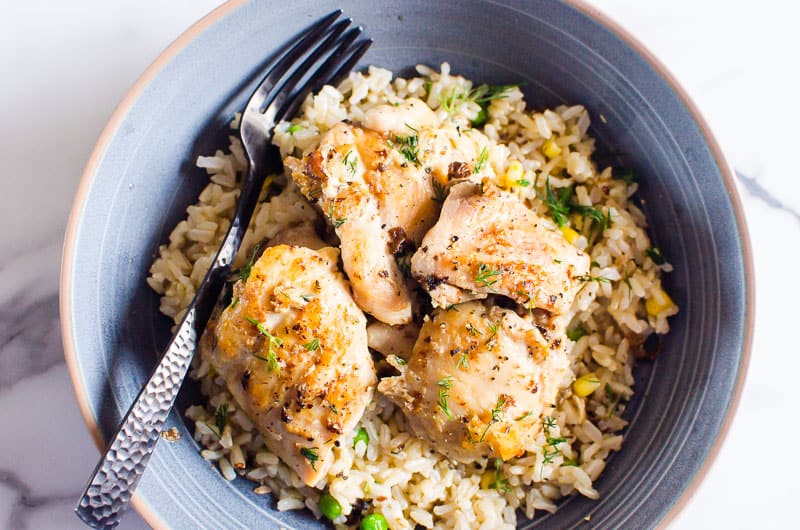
{"type": "Point", "coordinates": [272, 342]}
{"type": "Point", "coordinates": [497, 414]}
{"type": "Point", "coordinates": [500, 482]}
{"type": "Point", "coordinates": [313, 345]}
{"type": "Point", "coordinates": [221, 418]}
{"type": "Point", "coordinates": [408, 146]}
{"type": "Point", "coordinates": [234, 302]}
{"type": "Point", "coordinates": [487, 275]}
{"type": "Point", "coordinates": [482, 159]}
{"type": "Point", "coordinates": [244, 272]}
{"type": "Point", "coordinates": [523, 182]}
{"type": "Point", "coordinates": [293, 128]}
{"type": "Point", "coordinates": [311, 454]}
{"type": "Point", "coordinates": [654, 253]}
{"type": "Point", "coordinates": [350, 162]}
{"type": "Point", "coordinates": [589, 278]}
{"type": "Point", "coordinates": [335, 221]}
{"type": "Point", "coordinates": [439, 190]}
{"type": "Point", "coordinates": [445, 384]}
{"type": "Point", "coordinates": [557, 202]}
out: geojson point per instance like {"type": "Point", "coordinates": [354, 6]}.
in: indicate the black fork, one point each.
{"type": "Point", "coordinates": [287, 82]}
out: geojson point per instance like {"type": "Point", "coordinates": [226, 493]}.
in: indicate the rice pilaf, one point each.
{"type": "Point", "coordinates": [386, 468]}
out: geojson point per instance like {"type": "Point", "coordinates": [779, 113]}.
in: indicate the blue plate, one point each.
{"type": "Point", "coordinates": [141, 177]}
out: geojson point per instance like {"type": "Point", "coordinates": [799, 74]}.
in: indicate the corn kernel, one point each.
{"type": "Point", "coordinates": [658, 302]}
{"type": "Point", "coordinates": [513, 173]}
{"type": "Point", "coordinates": [569, 234]}
{"type": "Point", "coordinates": [487, 479]}
{"type": "Point", "coordinates": [551, 149]}
{"type": "Point", "coordinates": [586, 384]}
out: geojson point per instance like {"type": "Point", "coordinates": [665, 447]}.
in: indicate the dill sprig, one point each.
{"type": "Point", "coordinates": [439, 190]}
{"type": "Point", "coordinates": [408, 145]}
{"type": "Point", "coordinates": [335, 221]}
{"type": "Point", "coordinates": [654, 253]}
{"type": "Point", "coordinates": [483, 157]}
{"type": "Point", "coordinates": [487, 276]}
{"type": "Point", "coordinates": [221, 418]}
{"type": "Point", "coordinates": [311, 454]}
{"type": "Point", "coordinates": [497, 414]}
{"type": "Point", "coordinates": [312, 345]}
{"type": "Point", "coordinates": [272, 342]}
{"type": "Point", "coordinates": [350, 162]}
{"type": "Point", "coordinates": [445, 384]}
{"type": "Point", "coordinates": [244, 272]}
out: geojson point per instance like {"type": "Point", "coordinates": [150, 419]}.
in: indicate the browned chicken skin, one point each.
{"type": "Point", "coordinates": [292, 348]}
{"type": "Point", "coordinates": [380, 188]}
{"type": "Point", "coordinates": [488, 242]}
{"type": "Point", "coordinates": [477, 382]}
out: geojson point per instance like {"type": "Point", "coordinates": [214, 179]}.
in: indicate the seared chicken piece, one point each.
{"type": "Point", "coordinates": [379, 189]}
{"type": "Point", "coordinates": [478, 382]}
{"type": "Point", "coordinates": [488, 242]}
{"type": "Point", "coordinates": [392, 340]}
{"type": "Point", "coordinates": [292, 348]}
{"type": "Point", "coordinates": [302, 235]}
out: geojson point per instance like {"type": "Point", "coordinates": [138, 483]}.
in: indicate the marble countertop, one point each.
{"type": "Point", "coordinates": [737, 60]}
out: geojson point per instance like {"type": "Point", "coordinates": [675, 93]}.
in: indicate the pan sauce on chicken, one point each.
{"type": "Point", "coordinates": [292, 348]}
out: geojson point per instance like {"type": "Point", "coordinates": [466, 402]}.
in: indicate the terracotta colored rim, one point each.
{"type": "Point", "coordinates": [209, 20]}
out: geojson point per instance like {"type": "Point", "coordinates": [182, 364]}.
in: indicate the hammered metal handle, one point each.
{"type": "Point", "coordinates": [108, 494]}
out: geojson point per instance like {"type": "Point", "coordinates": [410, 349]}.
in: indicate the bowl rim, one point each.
{"type": "Point", "coordinates": [184, 39]}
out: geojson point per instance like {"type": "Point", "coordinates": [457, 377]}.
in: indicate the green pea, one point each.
{"type": "Point", "coordinates": [374, 521]}
{"type": "Point", "coordinates": [330, 507]}
{"type": "Point", "coordinates": [361, 436]}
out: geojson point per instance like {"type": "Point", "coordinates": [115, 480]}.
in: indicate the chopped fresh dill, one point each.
{"type": "Point", "coordinates": [487, 276]}
{"type": "Point", "coordinates": [234, 302]}
{"type": "Point", "coordinates": [439, 190]}
{"type": "Point", "coordinates": [589, 278]}
{"type": "Point", "coordinates": [497, 414]}
{"type": "Point", "coordinates": [483, 157]}
{"type": "Point", "coordinates": [500, 483]}
{"type": "Point", "coordinates": [244, 272]}
{"type": "Point", "coordinates": [654, 253]}
{"type": "Point", "coordinates": [408, 146]}
{"type": "Point", "coordinates": [523, 182]}
{"type": "Point", "coordinates": [557, 202]}
{"type": "Point", "coordinates": [272, 342]}
{"type": "Point", "coordinates": [350, 162]}
{"type": "Point", "coordinates": [313, 345]}
{"type": "Point", "coordinates": [473, 330]}
{"type": "Point", "coordinates": [463, 362]}
{"type": "Point", "coordinates": [293, 128]}
{"type": "Point", "coordinates": [333, 408]}
{"type": "Point", "coordinates": [526, 415]}
{"type": "Point", "coordinates": [311, 454]}
{"type": "Point", "coordinates": [307, 297]}
{"type": "Point", "coordinates": [221, 418]}
{"type": "Point", "coordinates": [335, 221]}
{"type": "Point", "coordinates": [445, 384]}
{"type": "Point", "coordinates": [399, 360]}
{"type": "Point", "coordinates": [626, 175]}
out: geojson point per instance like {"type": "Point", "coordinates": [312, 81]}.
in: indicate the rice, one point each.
{"type": "Point", "coordinates": [402, 476]}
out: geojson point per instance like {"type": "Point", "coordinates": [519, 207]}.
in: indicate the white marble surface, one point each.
{"type": "Point", "coordinates": [737, 59]}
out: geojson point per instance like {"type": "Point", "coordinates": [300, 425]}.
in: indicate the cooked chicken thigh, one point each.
{"type": "Point", "coordinates": [380, 190]}
{"type": "Point", "coordinates": [478, 382]}
{"type": "Point", "coordinates": [488, 242]}
{"type": "Point", "coordinates": [292, 348]}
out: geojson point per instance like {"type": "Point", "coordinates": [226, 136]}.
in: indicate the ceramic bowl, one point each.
{"type": "Point", "coordinates": [141, 177]}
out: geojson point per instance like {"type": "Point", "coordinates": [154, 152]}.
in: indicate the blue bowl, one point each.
{"type": "Point", "coordinates": [141, 177]}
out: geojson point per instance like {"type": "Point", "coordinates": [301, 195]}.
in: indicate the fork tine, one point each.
{"type": "Point", "coordinates": [338, 65]}
{"type": "Point", "coordinates": [287, 60]}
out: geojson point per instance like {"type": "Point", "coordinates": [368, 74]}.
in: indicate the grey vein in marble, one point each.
{"type": "Point", "coordinates": [753, 187]}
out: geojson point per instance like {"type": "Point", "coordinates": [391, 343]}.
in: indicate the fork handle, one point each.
{"type": "Point", "coordinates": [109, 491]}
